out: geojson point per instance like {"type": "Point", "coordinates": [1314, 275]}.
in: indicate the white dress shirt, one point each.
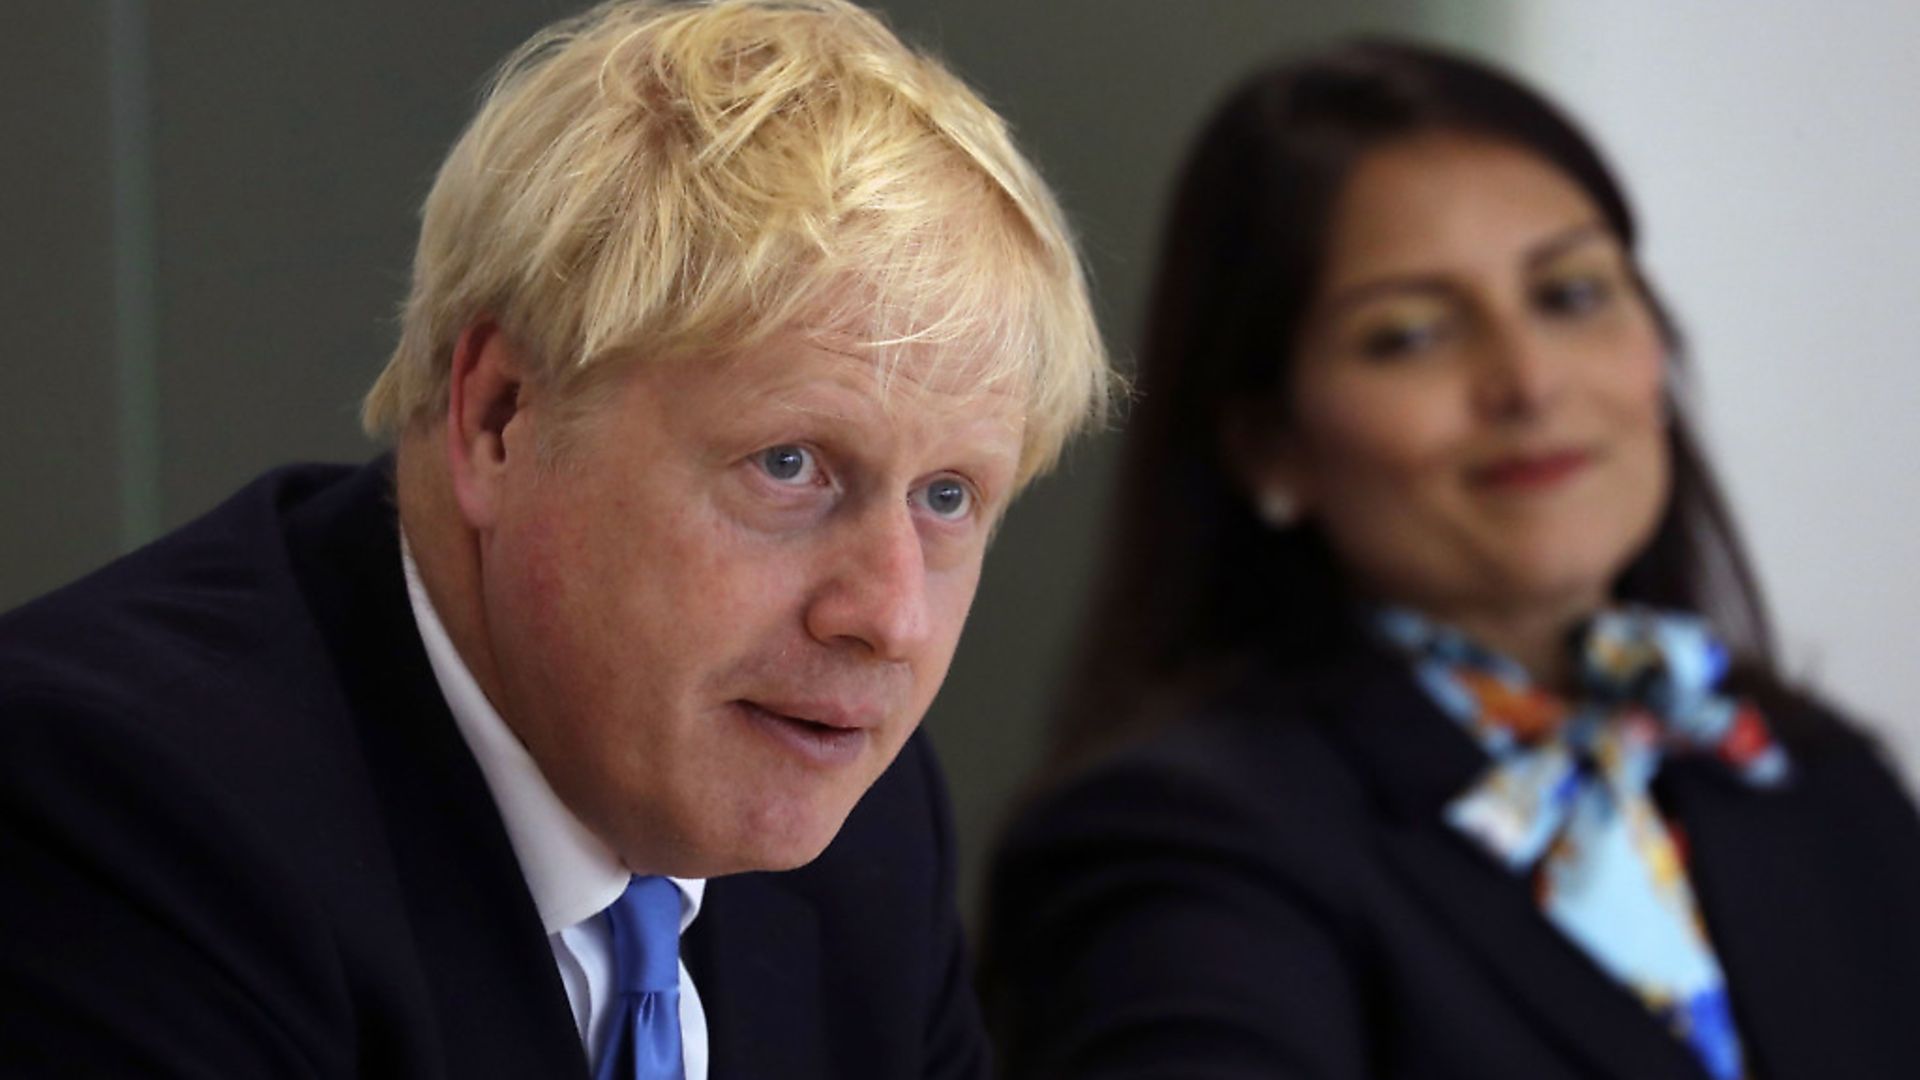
{"type": "Point", "coordinates": [571, 873]}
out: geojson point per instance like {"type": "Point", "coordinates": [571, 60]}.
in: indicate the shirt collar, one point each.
{"type": "Point", "coordinates": [572, 874]}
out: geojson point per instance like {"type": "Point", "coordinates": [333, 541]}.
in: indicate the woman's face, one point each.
{"type": "Point", "coordinates": [1478, 424]}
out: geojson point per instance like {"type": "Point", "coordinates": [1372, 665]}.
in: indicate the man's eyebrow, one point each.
{"type": "Point", "coordinates": [799, 405]}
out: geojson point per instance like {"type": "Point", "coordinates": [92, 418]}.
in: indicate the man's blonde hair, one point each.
{"type": "Point", "coordinates": [659, 178]}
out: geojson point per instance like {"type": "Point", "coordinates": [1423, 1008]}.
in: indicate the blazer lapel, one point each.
{"type": "Point", "coordinates": [1806, 933]}
{"type": "Point", "coordinates": [1595, 1020]}
{"type": "Point", "coordinates": [1748, 893]}
{"type": "Point", "coordinates": [754, 955]}
{"type": "Point", "coordinates": [1415, 759]}
{"type": "Point", "coordinates": [501, 1008]}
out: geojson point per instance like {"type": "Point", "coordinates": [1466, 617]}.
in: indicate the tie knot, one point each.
{"type": "Point", "coordinates": [645, 928]}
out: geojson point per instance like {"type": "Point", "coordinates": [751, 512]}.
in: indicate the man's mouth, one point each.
{"type": "Point", "coordinates": [822, 736]}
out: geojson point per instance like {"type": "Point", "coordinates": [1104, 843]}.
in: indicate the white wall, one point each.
{"type": "Point", "coordinates": [1773, 150]}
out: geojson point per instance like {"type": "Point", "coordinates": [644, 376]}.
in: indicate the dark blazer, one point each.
{"type": "Point", "coordinates": [1268, 890]}
{"type": "Point", "coordinates": [241, 837]}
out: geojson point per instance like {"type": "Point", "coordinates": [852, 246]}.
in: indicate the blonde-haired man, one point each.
{"type": "Point", "coordinates": [734, 328]}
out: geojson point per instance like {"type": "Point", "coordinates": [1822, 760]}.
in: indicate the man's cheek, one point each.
{"type": "Point", "coordinates": [951, 601]}
{"type": "Point", "coordinates": [743, 598]}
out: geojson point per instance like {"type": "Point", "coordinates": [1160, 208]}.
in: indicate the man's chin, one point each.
{"type": "Point", "coordinates": [765, 838]}
{"type": "Point", "coordinates": [791, 843]}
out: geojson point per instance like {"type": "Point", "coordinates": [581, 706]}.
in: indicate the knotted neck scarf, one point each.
{"type": "Point", "coordinates": [1566, 797]}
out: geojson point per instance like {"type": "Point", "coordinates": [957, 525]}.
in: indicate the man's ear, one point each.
{"type": "Point", "coordinates": [484, 398]}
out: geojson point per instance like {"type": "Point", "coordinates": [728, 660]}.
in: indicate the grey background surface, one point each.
{"type": "Point", "coordinates": [210, 210]}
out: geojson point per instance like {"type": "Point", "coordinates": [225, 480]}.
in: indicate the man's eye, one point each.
{"type": "Point", "coordinates": [788, 464]}
{"type": "Point", "coordinates": [948, 499]}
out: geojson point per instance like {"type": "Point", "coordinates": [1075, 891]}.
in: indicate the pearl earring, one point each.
{"type": "Point", "coordinates": [1277, 507]}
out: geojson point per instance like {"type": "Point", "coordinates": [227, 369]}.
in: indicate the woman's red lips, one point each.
{"type": "Point", "coordinates": [1532, 472]}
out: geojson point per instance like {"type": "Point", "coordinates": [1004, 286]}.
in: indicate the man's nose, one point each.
{"type": "Point", "coordinates": [875, 593]}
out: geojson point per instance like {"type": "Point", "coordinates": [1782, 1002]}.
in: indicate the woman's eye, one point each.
{"type": "Point", "coordinates": [948, 499]}
{"type": "Point", "coordinates": [1399, 339]}
{"type": "Point", "coordinates": [789, 464]}
{"type": "Point", "coordinates": [1573, 295]}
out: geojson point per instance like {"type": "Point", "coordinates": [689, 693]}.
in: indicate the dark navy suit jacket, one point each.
{"type": "Point", "coordinates": [1269, 890]}
{"type": "Point", "coordinates": [240, 836]}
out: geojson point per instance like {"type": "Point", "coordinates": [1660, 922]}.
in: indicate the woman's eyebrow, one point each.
{"type": "Point", "coordinates": [1542, 251]}
{"type": "Point", "coordinates": [1566, 240]}
{"type": "Point", "coordinates": [1390, 285]}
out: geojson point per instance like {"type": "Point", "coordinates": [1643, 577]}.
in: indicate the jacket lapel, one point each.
{"type": "Point", "coordinates": [1748, 892]}
{"type": "Point", "coordinates": [501, 1008]}
{"type": "Point", "coordinates": [754, 955]}
{"type": "Point", "coordinates": [1814, 931]}
{"type": "Point", "coordinates": [1414, 759]}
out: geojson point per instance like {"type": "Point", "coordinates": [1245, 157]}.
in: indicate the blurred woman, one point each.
{"type": "Point", "coordinates": [1426, 726]}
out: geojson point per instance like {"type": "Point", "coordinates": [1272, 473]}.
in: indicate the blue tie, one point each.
{"type": "Point", "coordinates": [643, 1038]}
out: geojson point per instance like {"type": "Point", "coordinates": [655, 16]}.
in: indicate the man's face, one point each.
{"type": "Point", "coordinates": [715, 621]}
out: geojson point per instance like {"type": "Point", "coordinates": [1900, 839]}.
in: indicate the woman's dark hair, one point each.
{"type": "Point", "coordinates": [1194, 582]}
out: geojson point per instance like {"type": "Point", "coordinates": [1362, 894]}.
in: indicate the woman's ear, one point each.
{"type": "Point", "coordinates": [484, 398]}
{"type": "Point", "coordinates": [1264, 457]}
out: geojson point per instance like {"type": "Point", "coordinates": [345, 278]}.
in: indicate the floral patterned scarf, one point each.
{"type": "Point", "coordinates": [1566, 797]}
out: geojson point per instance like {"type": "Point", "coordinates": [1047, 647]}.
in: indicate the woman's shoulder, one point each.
{"type": "Point", "coordinates": [1252, 770]}
{"type": "Point", "coordinates": [1251, 731]}
{"type": "Point", "coordinates": [1815, 731]}
{"type": "Point", "coordinates": [1840, 760]}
